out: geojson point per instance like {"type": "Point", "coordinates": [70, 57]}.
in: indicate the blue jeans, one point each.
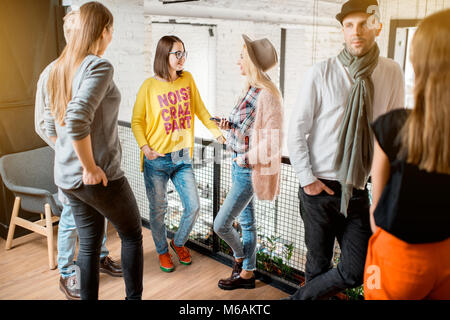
{"type": "Point", "coordinates": [176, 166]}
{"type": "Point", "coordinates": [239, 202]}
{"type": "Point", "coordinates": [67, 242]}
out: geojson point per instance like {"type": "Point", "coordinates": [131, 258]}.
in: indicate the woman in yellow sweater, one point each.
{"type": "Point", "coordinates": [163, 125]}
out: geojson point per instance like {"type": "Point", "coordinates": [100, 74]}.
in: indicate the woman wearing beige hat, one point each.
{"type": "Point", "coordinates": [253, 137]}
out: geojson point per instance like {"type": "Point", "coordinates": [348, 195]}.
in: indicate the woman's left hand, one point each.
{"type": "Point", "coordinates": [94, 176]}
{"type": "Point", "coordinates": [240, 165]}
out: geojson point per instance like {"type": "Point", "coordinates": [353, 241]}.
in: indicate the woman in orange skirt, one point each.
{"type": "Point", "coordinates": [409, 253]}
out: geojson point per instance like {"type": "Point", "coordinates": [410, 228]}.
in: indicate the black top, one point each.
{"type": "Point", "coordinates": [415, 204]}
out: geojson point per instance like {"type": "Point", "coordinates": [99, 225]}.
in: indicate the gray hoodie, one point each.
{"type": "Point", "coordinates": [93, 110]}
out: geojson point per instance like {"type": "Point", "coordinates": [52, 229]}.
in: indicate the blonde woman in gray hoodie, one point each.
{"type": "Point", "coordinates": [83, 115]}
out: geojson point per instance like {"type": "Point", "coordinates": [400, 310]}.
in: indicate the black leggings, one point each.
{"type": "Point", "coordinates": [91, 204]}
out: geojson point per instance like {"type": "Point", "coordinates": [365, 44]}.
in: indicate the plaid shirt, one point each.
{"type": "Point", "coordinates": [242, 118]}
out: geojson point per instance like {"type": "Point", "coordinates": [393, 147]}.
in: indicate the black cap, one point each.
{"type": "Point", "coordinates": [355, 6]}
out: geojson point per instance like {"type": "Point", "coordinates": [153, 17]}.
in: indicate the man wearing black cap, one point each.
{"type": "Point", "coordinates": [331, 145]}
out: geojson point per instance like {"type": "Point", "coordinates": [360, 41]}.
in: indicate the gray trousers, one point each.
{"type": "Point", "coordinates": [323, 224]}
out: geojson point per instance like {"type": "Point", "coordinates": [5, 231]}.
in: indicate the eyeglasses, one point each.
{"type": "Point", "coordinates": [179, 54]}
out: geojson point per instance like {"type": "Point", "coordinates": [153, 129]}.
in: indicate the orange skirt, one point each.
{"type": "Point", "coordinates": [397, 270]}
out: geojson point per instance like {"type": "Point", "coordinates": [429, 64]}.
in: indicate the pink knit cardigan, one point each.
{"type": "Point", "coordinates": [264, 154]}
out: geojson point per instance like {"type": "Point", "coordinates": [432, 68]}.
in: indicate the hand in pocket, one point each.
{"type": "Point", "coordinates": [94, 177]}
{"type": "Point", "coordinates": [150, 154]}
{"type": "Point", "coordinates": [316, 188]}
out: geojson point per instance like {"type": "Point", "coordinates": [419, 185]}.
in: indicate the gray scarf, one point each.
{"type": "Point", "coordinates": [355, 148]}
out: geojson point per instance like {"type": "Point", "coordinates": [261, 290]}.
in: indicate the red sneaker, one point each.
{"type": "Point", "coordinates": [183, 253]}
{"type": "Point", "coordinates": [165, 262]}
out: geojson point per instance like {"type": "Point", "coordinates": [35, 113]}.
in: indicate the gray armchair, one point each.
{"type": "Point", "coordinates": [29, 176]}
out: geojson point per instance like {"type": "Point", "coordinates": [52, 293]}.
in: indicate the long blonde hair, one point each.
{"type": "Point", "coordinates": [94, 18]}
{"type": "Point", "coordinates": [71, 24]}
{"type": "Point", "coordinates": [257, 78]}
{"type": "Point", "coordinates": [426, 134]}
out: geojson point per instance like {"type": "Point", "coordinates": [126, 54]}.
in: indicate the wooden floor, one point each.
{"type": "Point", "coordinates": [25, 275]}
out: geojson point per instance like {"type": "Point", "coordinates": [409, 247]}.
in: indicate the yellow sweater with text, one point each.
{"type": "Point", "coordinates": [164, 113]}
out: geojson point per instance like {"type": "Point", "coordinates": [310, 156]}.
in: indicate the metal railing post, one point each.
{"type": "Point", "coordinates": [216, 189]}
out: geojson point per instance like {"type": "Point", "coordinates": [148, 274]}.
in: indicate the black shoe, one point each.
{"type": "Point", "coordinates": [69, 287]}
{"type": "Point", "coordinates": [237, 283]}
{"type": "Point", "coordinates": [109, 266]}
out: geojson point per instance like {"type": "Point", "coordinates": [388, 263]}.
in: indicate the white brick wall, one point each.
{"type": "Point", "coordinates": [131, 51]}
{"type": "Point", "coordinates": [291, 7]}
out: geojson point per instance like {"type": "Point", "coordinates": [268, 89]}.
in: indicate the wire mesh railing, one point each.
{"type": "Point", "coordinates": [281, 251]}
